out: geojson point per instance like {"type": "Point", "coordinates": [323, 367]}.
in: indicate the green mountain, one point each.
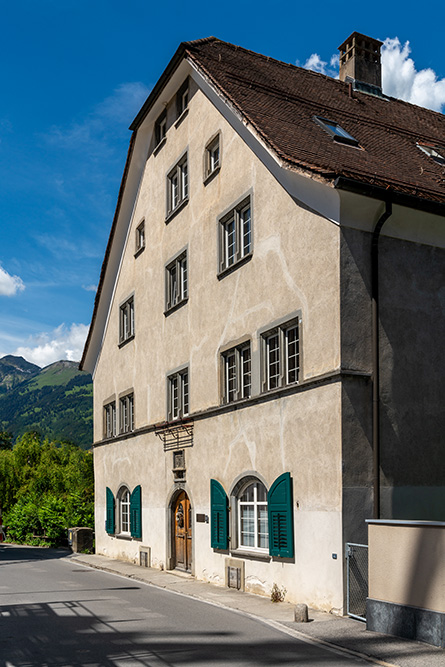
{"type": "Point", "coordinates": [56, 401]}
{"type": "Point", "coordinates": [14, 370]}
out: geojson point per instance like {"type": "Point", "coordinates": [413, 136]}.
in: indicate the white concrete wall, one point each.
{"type": "Point", "coordinates": [294, 267]}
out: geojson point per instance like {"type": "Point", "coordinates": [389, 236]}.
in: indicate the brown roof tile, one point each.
{"type": "Point", "coordinates": [280, 100]}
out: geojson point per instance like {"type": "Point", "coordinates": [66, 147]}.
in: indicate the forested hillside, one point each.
{"type": "Point", "coordinates": [56, 401]}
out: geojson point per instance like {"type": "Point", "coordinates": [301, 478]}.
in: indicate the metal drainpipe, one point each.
{"type": "Point", "coordinates": [375, 355]}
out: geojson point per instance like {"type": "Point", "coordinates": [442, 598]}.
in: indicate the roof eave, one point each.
{"type": "Point", "coordinates": [103, 271]}
{"type": "Point", "coordinates": [160, 84]}
{"type": "Point", "coordinates": [389, 194]}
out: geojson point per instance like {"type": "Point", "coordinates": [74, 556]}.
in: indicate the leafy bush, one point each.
{"type": "Point", "coordinates": [45, 488]}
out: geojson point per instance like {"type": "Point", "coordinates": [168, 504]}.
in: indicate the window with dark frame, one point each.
{"type": "Point", "coordinates": [281, 356]}
{"type": "Point", "coordinates": [212, 157]}
{"type": "Point", "coordinates": [126, 320]}
{"type": "Point", "coordinates": [335, 130]}
{"type": "Point", "coordinates": [178, 395]}
{"type": "Point", "coordinates": [110, 419]}
{"type": "Point", "coordinates": [235, 235]}
{"type": "Point", "coordinates": [126, 413]}
{"type": "Point", "coordinates": [237, 374]}
{"type": "Point", "coordinates": [176, 281]}
{"type": "Point", "coordinates": [161, 128]}
{"type": "Point", "coordinates": [182, 98]}
{"type": "Point", "coordinates": [177, 185]}
{"type": "Point", "coordinates": [140, 236]}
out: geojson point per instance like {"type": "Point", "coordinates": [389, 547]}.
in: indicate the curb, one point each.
{"type": "Point", "coordinates": [297, 634]}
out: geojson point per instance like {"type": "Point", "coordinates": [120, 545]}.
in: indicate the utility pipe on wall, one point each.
{"type": "Point", "coordinates": [376, 355]}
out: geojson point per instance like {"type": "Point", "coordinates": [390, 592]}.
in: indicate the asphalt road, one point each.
{"type": "Point", "coordinates": [54, 612]}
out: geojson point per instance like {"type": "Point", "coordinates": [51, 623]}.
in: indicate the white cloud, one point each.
{"type": "Point", "coordinates": [399, 75]}
{"type": "Point", "coordinates": [63, 343]}
{"type": "Point", "coordinates": [10, 285]}
{"type": "Point", "coordinates": [401, 79]}
{"type": "Point", "coordinates": [90, 288]}
{"type": "Point", "coordinates": [316, 64]}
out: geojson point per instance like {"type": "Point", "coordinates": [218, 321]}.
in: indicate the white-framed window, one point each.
{"type": "Point", "coordinates": [126, 320]}
{"type": "Point", "coordinates": [161, 128]}
{"type": "Point", "coordinates": [235, 235]}
{"type": "Point", "coordinates": [182, 98]}
{"type": "Point", "coordinates": [123, 500]}
{"type": "Point", "coordinates": [433, 151]}
{"type": "Point", "coordinates": [178, 394]}
{"type": "Point", "coordinates": [212, 157]}
{"type": "Point", "coordinates": [281, 355]}
{"type": "Point", "coordinates": [126, 413]}
{"type": "Point", "coordinates": [110, 419]}
{"type": "Point", "coordinates": [252, 521]}
{"type": "Point", "coordinates": [140, 237]}
{"type": "Point", "coordinates": [177, 185]}
{"type": "Point", "coordinates": [336, 131]}
{"type": "Point", "coordinates": [176, 281]}
{"type": "Point", "coordinates": [237, 373]}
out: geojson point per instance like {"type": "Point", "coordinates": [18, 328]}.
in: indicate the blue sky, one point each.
{"type": "Point", "coordinates": [73, 76]}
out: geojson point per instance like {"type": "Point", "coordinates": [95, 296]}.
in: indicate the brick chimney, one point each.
{"type": "Point", "coordinates": [360, 63]}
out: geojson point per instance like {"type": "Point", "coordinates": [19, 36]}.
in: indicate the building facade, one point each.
{"type": "Point", "coordinates": [232, 337]}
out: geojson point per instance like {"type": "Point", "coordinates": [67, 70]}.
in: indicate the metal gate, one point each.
{"type": "Point", "coordinates": [356, 579]}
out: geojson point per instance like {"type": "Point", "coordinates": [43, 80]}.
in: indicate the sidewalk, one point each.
{"type": "Point", "coordinates": [344, 634]}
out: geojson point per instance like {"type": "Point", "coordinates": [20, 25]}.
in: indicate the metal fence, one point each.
{"type": "Point", "coordinates": [357, 579]}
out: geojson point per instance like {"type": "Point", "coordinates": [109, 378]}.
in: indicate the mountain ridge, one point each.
{"type": "Point", "coordinates": [56, 401]}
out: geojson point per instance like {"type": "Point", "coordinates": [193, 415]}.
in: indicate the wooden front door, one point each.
{"type": "Point", "coordinates": [183, 532]}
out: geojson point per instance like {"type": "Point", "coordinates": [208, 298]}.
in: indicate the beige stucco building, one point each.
{"type": "Point", "coordinates": [232, 337]}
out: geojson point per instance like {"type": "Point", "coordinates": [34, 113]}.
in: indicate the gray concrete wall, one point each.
{"type": "Point", "coordinates": [412, 334]}
{"type": "Point", "coordinates": [412, 382]}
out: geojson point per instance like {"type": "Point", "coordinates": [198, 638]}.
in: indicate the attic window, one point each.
{"type": "Point", "coordinates": [433, 152]}
{"type": "Point", "coordinates": [336, 131]}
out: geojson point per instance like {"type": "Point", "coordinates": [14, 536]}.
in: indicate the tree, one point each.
{"type": "Point", "coordinates": [45, 487]}
{"type": "Point", "coordinates": [5, 440]}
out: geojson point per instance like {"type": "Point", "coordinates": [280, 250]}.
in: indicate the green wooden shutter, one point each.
{"type": "Point", "coordinates": [280, 514]}
{"type": "Point", "coordinates": [109, 524]}
{"type": "Point", "coordinates": [136, 513]}
{"type": "Point", "coordinates": [219, 516]}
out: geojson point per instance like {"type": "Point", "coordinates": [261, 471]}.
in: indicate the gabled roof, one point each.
{"type": "Point", "coordinates": [280, 101]}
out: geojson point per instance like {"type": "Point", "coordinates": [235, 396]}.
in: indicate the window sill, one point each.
{"type": "Point", "coordinates": [180, 118]}
{"type": "Point", "coordinates": [139, 251]}
{"type": "Point", "coordinates": [175, 307]}
{"type": "Point", "coordinates": [264, 390]}
{"type": "Point", "coordinates": [171, 214]}
{"type": "Point", "coordinates": [252, 555]}
{"type": "Point", "coordinates": [124, 342]}
{"type": "Point", "coordinates": [158, 146]}
{"type": "Point", "coordinates": [123, 536]}
{"type": "Point", "coordinates": [225, 272]}
{"type": "Point", "coordinates": [211, 176]}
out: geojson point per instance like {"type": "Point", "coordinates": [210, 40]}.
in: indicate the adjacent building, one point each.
{"type": "Point", "coordinates": [267, 337]}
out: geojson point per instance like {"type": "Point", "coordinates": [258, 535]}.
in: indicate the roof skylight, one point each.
{"type": "Point", "coordinates": [433, 152]}
{"type": "Point", "coordinates": [336, 131]}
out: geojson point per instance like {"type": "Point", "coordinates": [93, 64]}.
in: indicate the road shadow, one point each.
{"type": "Point", "coordinates": [23, 553]}
{"type": "Point", "coordinates": [64, 633]}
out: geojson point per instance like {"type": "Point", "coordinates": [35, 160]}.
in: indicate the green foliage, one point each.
{"type": "Point", "coordinates": [56, 402]}
{"type": "Point", "coordinates": [45, 488]}
{"type": "Point", "coordinates": [5, 440]}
